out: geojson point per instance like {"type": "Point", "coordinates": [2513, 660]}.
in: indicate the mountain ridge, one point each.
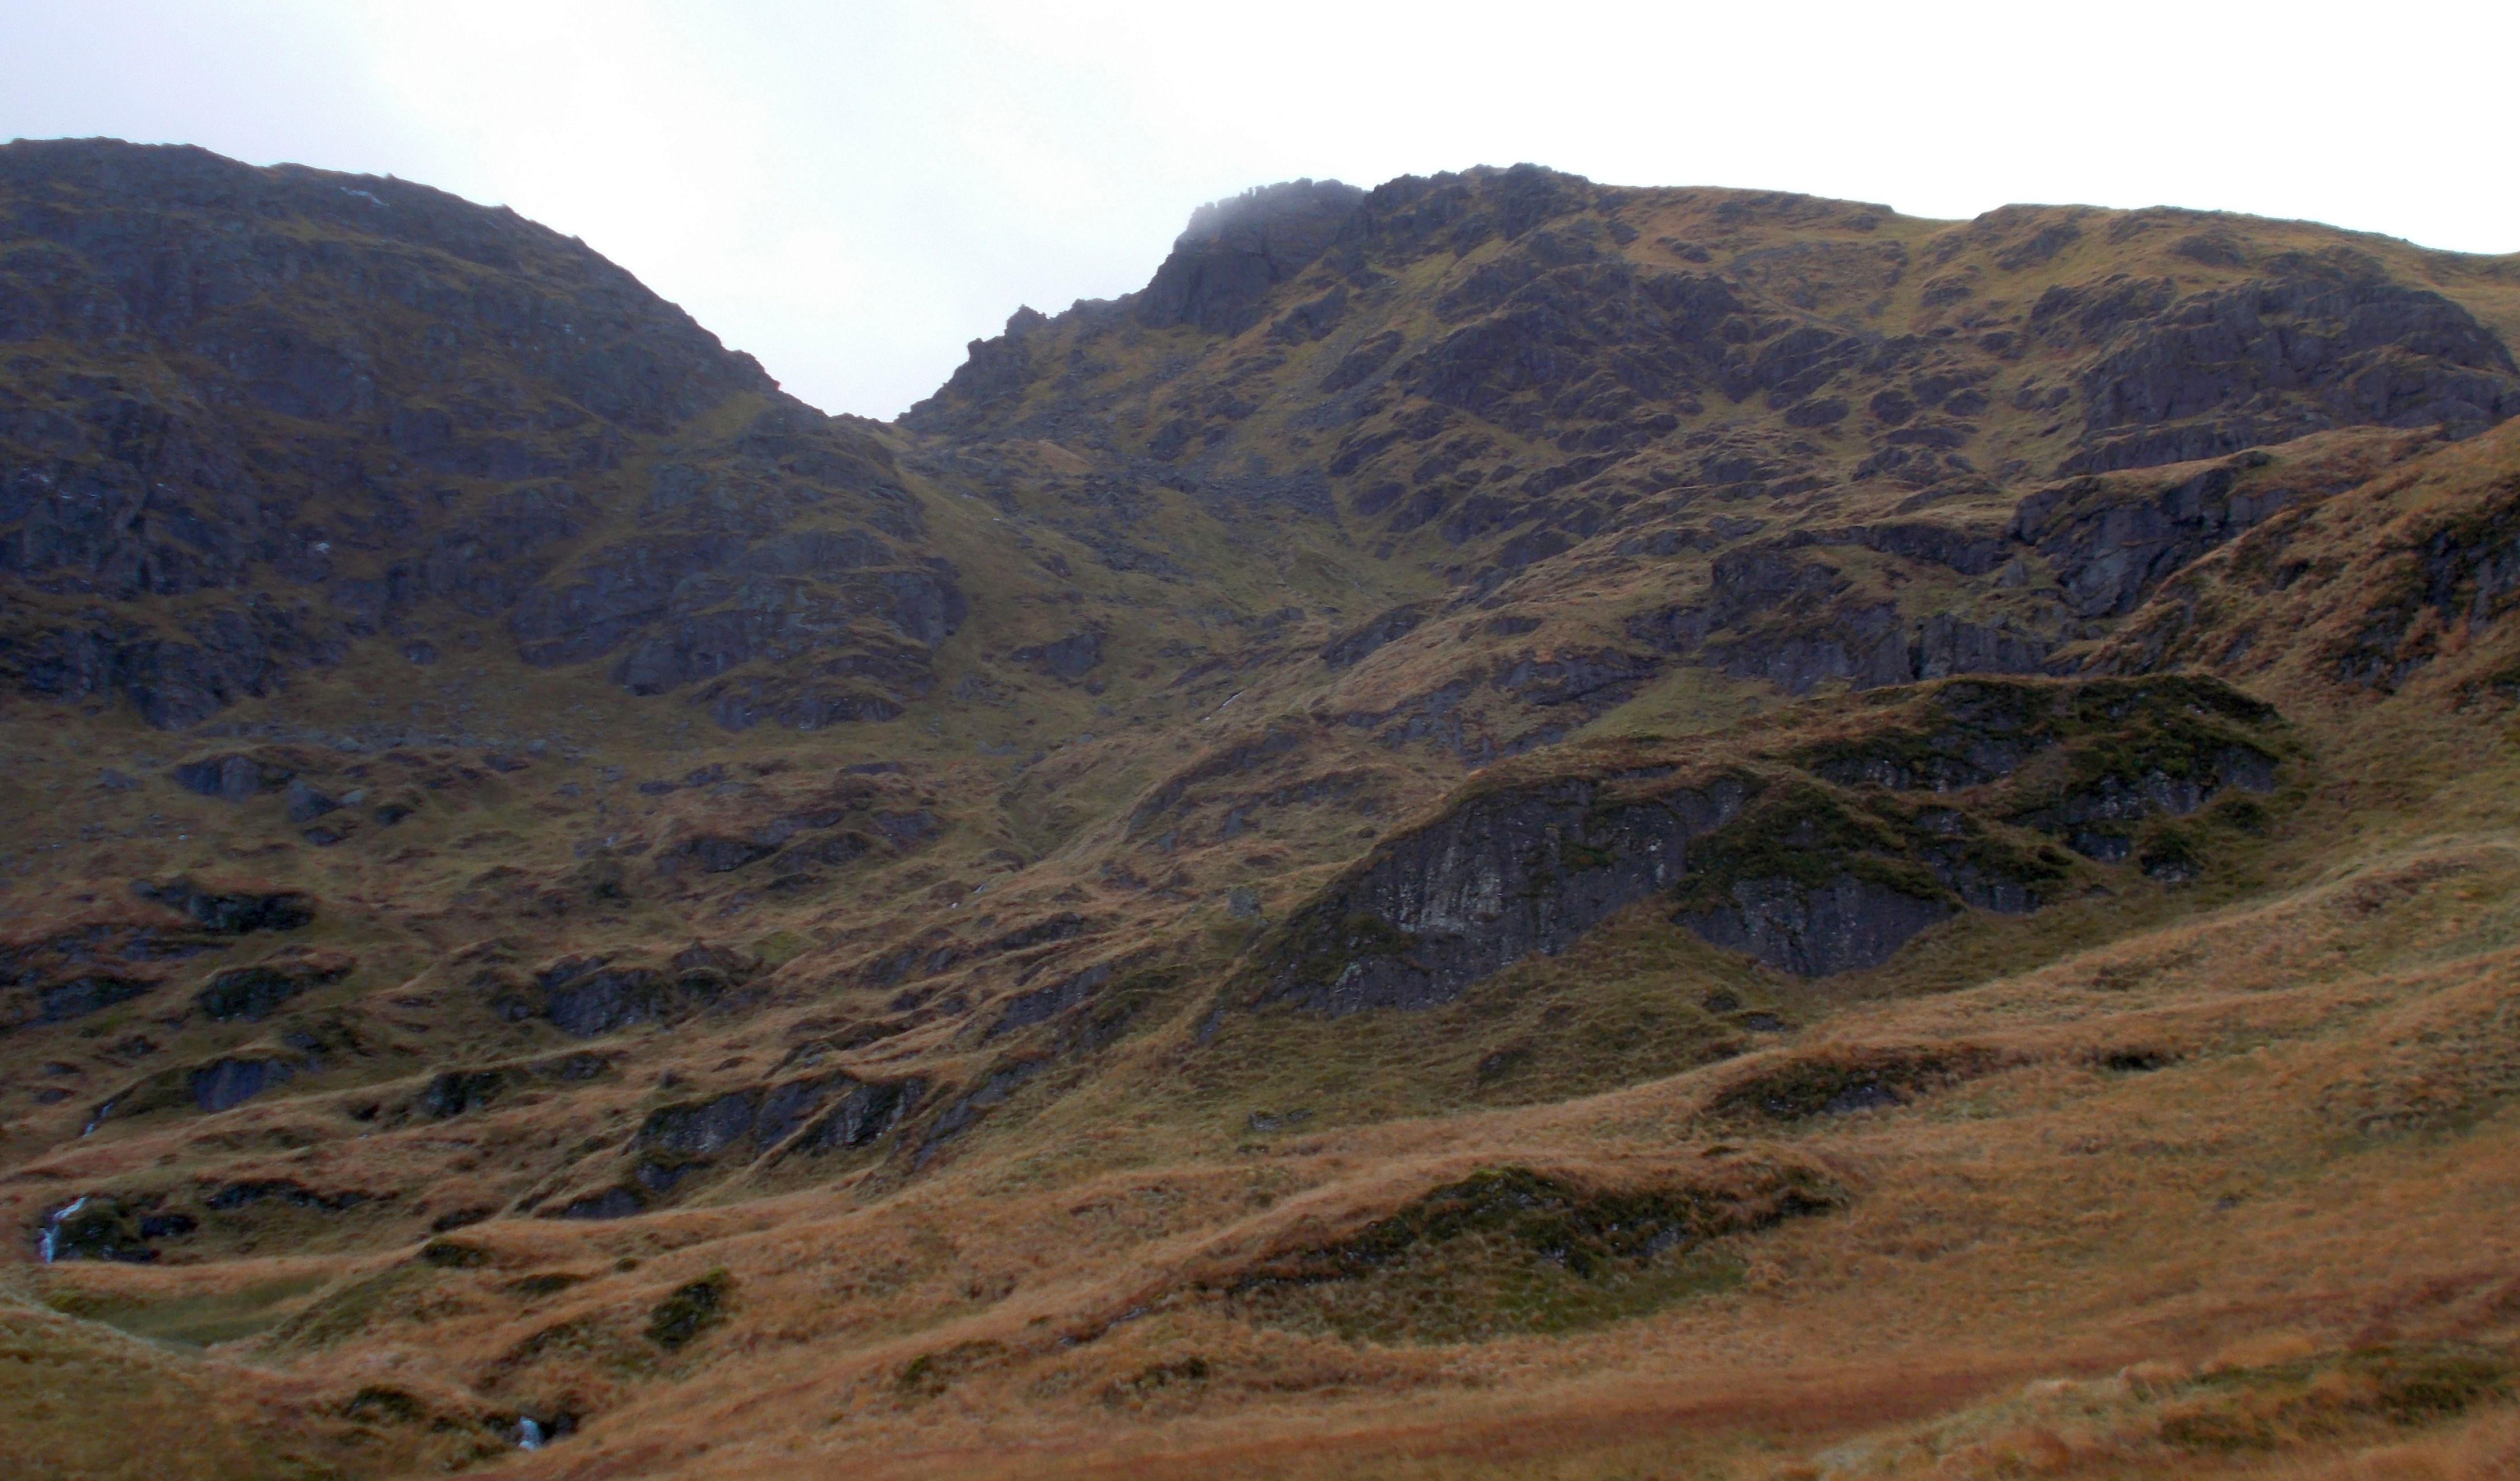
{"type": "Point", "coordinates": [1494, 786]}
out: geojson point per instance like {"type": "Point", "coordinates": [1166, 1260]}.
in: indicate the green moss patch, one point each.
{"type": "Point", "coordinates": [1513, 1250]}
{"type": "Point", "coordinates": [1807, 1087]}
{"type": "Point", "coordinates": [690, 1310]}
{"type": "Point", "coordinates": [2405, 1384]}
{"type": "Point", "coordinates": [931, 1374]}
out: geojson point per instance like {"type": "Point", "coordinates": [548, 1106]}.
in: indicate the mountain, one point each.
{"type": "Point", "coordinates": [1503, 827]}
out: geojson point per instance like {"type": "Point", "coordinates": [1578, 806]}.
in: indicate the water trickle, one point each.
{"type": "Point", "coordinates": [52, 1225]}
{"type": "Point", "coordinates": [529, 1434]}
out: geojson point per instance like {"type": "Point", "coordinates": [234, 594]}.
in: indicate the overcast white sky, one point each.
{"type": "Point", "coordinates": [850, 189]}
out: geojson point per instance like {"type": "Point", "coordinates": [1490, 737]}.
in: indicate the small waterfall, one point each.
{"type": "Point", "coordinates": [52, 1225]}
{"type": "Point", "coordinates": [530, 1433]}
{"type": "Point", "coordinates": [97, 1120]}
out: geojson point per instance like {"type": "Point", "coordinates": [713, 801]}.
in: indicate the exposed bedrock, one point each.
{"type": "Point", "coordinates": [2321, 342]}
{"type": "Point", "coordinates": [1823, 849]}
{"type": "Point", "coordinates": [1496, 879]}
{"type": "Point", "coordinates": [1782, 613]}
{"type": "Point", "coordinates": [586, 997]}
{"type": "Point", "coordinates": [1816, 930]}
{"type": "Point", "coordinates": [2110, 547]}
{"type": "Point", "coordinates": [1234, 252]}
{"type": "Point", "coordinates": [259, 391]}
{"type": "Point", "coordinates": [258, 990]}
{"type": "Point", "coordinates": [231, 914]}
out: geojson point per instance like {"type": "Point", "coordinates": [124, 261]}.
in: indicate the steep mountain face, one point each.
{"type": "Point", "coordinates": [1441, 338]}
{"type": "Point", "coordinates": [253, 417]}
{"type": "Point", "coordinates": [1811, 423]}
{"type": "Point", "coordinates": [1485, 788]}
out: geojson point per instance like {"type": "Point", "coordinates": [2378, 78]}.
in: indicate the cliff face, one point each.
{"type": "Point", "coordinates": [256, 416]}
{"type": "Point", "coordinates": [1815, 851]}
{"type": "Point", "coordinates": [1820, 337]}
{"type": "Point", "coordinates": [1788, 442]}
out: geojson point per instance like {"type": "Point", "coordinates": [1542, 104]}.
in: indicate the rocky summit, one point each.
{"type": "Point", "coordinates": [1503, 828]}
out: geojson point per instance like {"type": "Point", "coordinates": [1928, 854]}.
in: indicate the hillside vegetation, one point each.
{"type": "Point", "coordinates": [1505, 828]}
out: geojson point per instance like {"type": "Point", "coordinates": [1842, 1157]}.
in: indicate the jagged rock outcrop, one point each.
{"type": "Point", "coordinates": [1235, 251]}
{"type": "Point", "coordinates": [2319, 341]}
{"type": "Point", "coordinates": [1780, 611]}
{"type": "Point", "coordinates": [59, 975]}
{"type": "Point", "coordinates": [317, 406]}
{"type": "Point", "coordinates": [1071, 658]}
{"type": "Point", "coordinates": [810, 1115]}
{"type": "Point", "coordinates": [2110, 545]}
{"type": "Point", "coordinates": [1357, 643]}
{"type": "Point", "coordinates": [1644, 352]}
{"type": "Point", "coordinates": [457, 1092]}
{"type": "Point", "coordinates": [256, 992]}
{"type": "Point", "coordinates": [588, 997]}
{"type": "Point", "coordinates": [1812, 853]}
{"type": "Point", "coordinates": [2457, 574]}
{"type": "Point", "coordinates": [239, 913]}
{"type": "Point", "coordinates": [1501, 877]}
{"type": "Point", "coordinates": [226, 1083]}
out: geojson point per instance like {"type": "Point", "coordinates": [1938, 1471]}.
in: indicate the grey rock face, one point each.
{"type": "Point", "coordinates": [712, 855]}
{"type": "Point", "coordinates": [585, 996]}
{"type": "Point", "coordinates": [995, 1089]}
{"type": "Point", "coordinates": [229, 1083]}
{"type": "Point", "coordinates": [2093, 820]}
{"type": "Point", "coordinates": [1069, 658]}
{"type": "Point", "coordinates": [235, 914]}
{"type": "Point", "coordinates": [1971, 552]}
{"type": "Point", "coordinates": [1234, 252]}
{"type": "Point", "coordinates": [82, 969]}
{"type": "Point", "coordinates": [233, 655]}
{"type": "Point", "coordinates": [1552, 314]}
{"type": "Point", "coordinates": [307, 802]}
{"type": "Point", "coordinates": [1042, 1004]}
{"type": "Point", "coordinates": [601, 1003]}
{"type": "Point", "coordinates": [2110, 551]}
{"type": "Point", "coordinates": [625, 354]}
{"type": "Point", "coordinates": [2321, 342]}
{"type": "Point", "coordinates": [241, 295]}
{"type": "Point", "coordinates": [805, 704]}
{"type": "Point", "coordinates": [1779, 610]}
{"type": "Point", "coordinates": [1592, 681]}
{"type": "Point", "coordinates": [1354, 645]}
{"type": "Point", "coordinates": [1943, 646]}
{"type": "Point", "coordinates": [680, 1139]}
{"type": "Point", "coordinates": [678, 616]}
{"type": "Point", "coordinates": [610, 1203]}
{"type": "Point", "coordinates": [229, 778]}
{"type": "Point", "coordinates": [87, 993]}
{"type": "Point", "coordinates": [2467, 573]}
{"type": "Point", "coordinates": [862, 1114]}
{"type": "Point", "coordinates": [1842, 926]}
{"type": "Point", "coordinates": [252, 993]}
{"type": "Point", "coordinates": [457, 1092]}
{"type": "Point", "coordinates": [1494, 881]}
{"type": "Point", "coordinates": [1802, 860]}
{"type": "Point", "coordinates": [454, 1093]}
{"type": "Point", "coordinates": [702, 1129]}
{"type": "Point", "coordinates": [587, 1000]}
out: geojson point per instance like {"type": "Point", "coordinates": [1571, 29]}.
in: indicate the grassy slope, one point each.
{"type": "Point", "coordinates": [2306, 1173]}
